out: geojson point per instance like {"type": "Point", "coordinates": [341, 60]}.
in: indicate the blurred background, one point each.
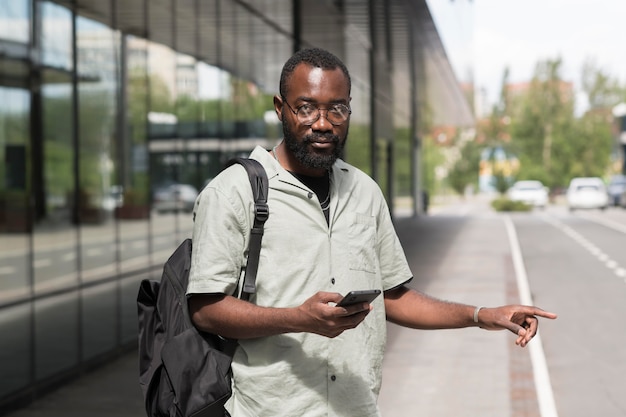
{"type": "Point", "coordinates": [115, 114]}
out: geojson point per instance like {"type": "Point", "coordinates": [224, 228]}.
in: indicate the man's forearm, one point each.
{"type": "Point", "coordinates": [413, 309]}
{"type": "Point", "coordinates": [234, 318]}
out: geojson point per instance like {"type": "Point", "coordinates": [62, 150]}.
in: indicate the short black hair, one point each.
{"type": "Point", "coordinates": [314, 57]}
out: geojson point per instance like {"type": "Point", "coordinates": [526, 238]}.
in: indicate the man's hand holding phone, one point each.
{"type": "Point", "coordinates": [330, 314]}
{"type": "Point", "coordinates": [358, 298]}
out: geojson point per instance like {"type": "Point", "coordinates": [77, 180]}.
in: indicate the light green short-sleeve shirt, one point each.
{"type": "Point", "coordinates": [301, 374]}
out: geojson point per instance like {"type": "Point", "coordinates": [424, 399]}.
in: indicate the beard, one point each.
{"type": "Point", "coordinates": [307, 155]}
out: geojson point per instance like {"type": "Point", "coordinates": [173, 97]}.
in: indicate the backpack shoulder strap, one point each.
{"type": "Point", "coordinates": [259, 184]}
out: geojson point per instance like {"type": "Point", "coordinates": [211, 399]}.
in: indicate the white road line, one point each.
{"type": "Point", "coordinates": [605, 222]}
{"type": "Point", "coordinates": [594, 250]}
{"type": "Point", "coordinates": [545, 396]}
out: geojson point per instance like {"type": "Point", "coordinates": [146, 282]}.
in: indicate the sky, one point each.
{"type": "Point", "coordinates": [493, 34]}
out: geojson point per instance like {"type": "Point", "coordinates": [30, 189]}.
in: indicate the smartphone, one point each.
{"type": "Point", "coordinates": [355, 297]}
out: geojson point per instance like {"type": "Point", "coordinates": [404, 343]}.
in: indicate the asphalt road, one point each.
{"type": "Point", "coordinates": [576, 265]}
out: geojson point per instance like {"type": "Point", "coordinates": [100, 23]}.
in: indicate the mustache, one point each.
{"type": "Point", "coordinates": [321, 137]}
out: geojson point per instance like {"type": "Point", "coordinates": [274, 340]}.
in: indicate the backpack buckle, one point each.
{"type": "Point", "coordinates": [261, 212]}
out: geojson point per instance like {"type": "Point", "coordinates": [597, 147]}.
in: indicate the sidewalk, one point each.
{"type": "Point", "coordinates": [467, 372]}
{"type": "Point", "coordinates": [444, 373]}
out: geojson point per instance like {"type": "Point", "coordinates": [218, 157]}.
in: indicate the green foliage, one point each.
{"type": "Point", "coordinates": [504, 204]}
{"type": "Point", "coordinates": [501, 182]}
{"type": "Point", "coordinates": [465, 170]}
{"type": "Point", "coordinates": [552, 143]}
{"type": "Point", "coordinates": [431, 157]}
{"type": "Point", "coordinates": [357, 150]}
{"type": "Point", "coordinates": [402, 162]}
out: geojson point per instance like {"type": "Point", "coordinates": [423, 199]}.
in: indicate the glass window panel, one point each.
{"type": "Point", "coordinates": [98, 180]}
{"type": "Point", "coordinates": [56, 36]}
{"type": "Point", "coordinates": [134, 211]}
{"type": "Point", "coordinates": [53, 317]}
{"type": "Point", "coordinates": [55, 237]}
{"type": "Point", "coordinates": [15, 20]}
{"type": "Point", "coordinates": [99, 319]}
{"type": "Point", "coordinates": [15, 351]}
{"type": "Point", "coordinates": [167, 159]}
{"type": "Point", "coordinates": [186, 104]}
{"type": "Point", "coordinates": [357, 47]}
{"type": "Point", "coordinates": [15, 216]}
{"type": "Point", "coordinates": [128, 306]}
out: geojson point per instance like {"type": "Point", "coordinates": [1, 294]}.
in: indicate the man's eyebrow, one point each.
{"type": "Point", "coordinates": [311, 100]}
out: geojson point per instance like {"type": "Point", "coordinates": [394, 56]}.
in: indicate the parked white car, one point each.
{"type": "Point", "coordinates": [587, 193]}
{"type": "Point", "coordinates": [175, 198]}
{"type": "Point", "coordinates": [531, 192]}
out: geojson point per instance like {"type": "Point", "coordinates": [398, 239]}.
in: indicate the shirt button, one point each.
{"type": "Point", "coordinates": [332, 281]}
{"type": "Point", "coordinates": [333, 377]}
{"type": "Point", "coordinates": [310, 195]}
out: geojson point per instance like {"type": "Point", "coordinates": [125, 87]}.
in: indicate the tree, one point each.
{"type": "Point", "coordinates": [465, 170]}
{"type": "Point", "coordinates": [543, 129]}
{"type": "Point", "coordinates": [602, 91]}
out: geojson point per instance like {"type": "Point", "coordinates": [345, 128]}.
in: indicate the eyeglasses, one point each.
{"type": "Point", "coordinates": [307, 114]}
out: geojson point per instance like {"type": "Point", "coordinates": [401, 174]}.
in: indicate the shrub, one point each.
{"type": "Point", "coordinates": [504, 204]}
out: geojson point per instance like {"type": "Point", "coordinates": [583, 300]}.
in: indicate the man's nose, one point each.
{"type": "Point", "coordinates": [322, 122]}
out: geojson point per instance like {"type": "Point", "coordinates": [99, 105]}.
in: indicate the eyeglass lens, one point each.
{"type": "Point", "coordinates": [335, 114]}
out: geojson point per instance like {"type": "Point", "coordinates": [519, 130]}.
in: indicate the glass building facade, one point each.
{"type": "Point", "coordinates": [103, 103]}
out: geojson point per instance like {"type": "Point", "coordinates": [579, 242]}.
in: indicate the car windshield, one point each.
{"type": "Point", "coordinates": [527, 186]}
{"type": "Point", "coordinates": [587, 187]}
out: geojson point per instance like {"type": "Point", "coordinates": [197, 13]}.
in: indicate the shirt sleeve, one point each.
{"type": "Point", "coordinates": [219, 238]}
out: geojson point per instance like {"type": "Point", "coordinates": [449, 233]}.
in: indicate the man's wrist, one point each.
{"type": "Point", "coordinates": [476, 311]}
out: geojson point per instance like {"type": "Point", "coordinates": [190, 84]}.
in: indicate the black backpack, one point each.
{"type": "Point", "coordinates": [184, 372]}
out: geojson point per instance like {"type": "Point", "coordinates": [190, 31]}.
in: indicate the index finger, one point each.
{"type": "Point", "coordinates": [536, 311]}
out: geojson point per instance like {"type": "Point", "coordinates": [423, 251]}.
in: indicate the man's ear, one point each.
{"type": "Point", "coordinates": [278, 107]}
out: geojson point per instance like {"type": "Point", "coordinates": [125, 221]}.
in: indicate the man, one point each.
{"type": "Point", "coordinates": [329, 232]}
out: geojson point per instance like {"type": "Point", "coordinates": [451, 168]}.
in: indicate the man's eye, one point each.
{"type": "Point", "coordinates": [306, 109]}
{"type": "Point", "coordinates": [341, 110]}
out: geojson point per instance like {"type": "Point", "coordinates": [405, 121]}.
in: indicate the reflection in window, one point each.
{"type": "Point", "coordinates": [133, 210]}
{"type": "Point", "coordinates": [16, 350]}
{"type": "Point", "coordinates": [97, 68]}
{"type": "Point", "coordinates": [56, 36]}
{"type": "Point", "coordinates": [54, 251]}
{"type": "Point", "coordinates": [14, 20]}
{"type": "Point", "coordinates": [15, 221]}
{"type": "Point", "coordinates": [56, 335]}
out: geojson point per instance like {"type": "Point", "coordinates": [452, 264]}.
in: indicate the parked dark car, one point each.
{"type": "Point", "coordinates": [616, 187]}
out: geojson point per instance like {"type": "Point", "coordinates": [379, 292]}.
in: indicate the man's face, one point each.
{"type": "Point", "coordinates": [315, 147]}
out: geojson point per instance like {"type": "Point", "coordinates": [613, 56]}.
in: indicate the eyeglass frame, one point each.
{"type": "Point", "coordinates": [319, 112]}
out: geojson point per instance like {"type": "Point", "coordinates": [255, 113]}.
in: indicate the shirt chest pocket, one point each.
{"type": "Point", "coordinates": [362, 244]}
